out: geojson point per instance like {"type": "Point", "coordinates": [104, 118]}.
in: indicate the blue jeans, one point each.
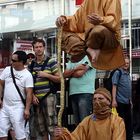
{"type": "Point", "coordinates": [82, 106]}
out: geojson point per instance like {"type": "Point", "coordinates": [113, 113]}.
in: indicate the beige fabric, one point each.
{"type": "Point", "coordinates": [101, 109]}
{"type": "Point", "coordinates": [109, 58]}
{"type": "Point", "coordinates": [111, 55]}
{"type": "Point", "coordinates": [112, 128]}
{"type": "Point", "coordinates": [104, 92]}
{"type": "Point", "coordinates": [110, 10]}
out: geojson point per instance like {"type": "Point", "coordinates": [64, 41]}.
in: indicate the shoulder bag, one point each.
{"type": "Point", "coordinates": [14, 81]}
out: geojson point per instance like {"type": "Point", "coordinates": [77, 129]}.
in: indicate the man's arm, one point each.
{"type": "Point", "coordinates": [1, 91]}
{"type": "Point", "coordinates": [114, 90]}
{"type": "Point", "coordinates": [115, 81]}
{"type": "Point", "coordinates": [80, 132]}
{"type": "Point", "coordinates": [1, 88]}
{"type": "Point", "coordinates": [53, 77]}
{"type": "Point", "coordinates": [68, 73]}
{"type": "Point", "coordinates": [29, 97]}
{"type": "Point", "coordinates": [74, 23]}
{"type": "Point", "coordinates": [80, 70]}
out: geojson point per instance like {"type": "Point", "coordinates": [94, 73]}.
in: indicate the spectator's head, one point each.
{"type": "Point", "coordinates": [19, 56]}
{"type": "Point", "coordinates": [30, 57]}
{"type": "Point", "coordinates": [127, 63]}
{"type": "Point", "coordinates": [38, 40]}
{"type": "Point", "coordinates": [101, 103]}
{"type": "Point", "coordinates": [39, 47]}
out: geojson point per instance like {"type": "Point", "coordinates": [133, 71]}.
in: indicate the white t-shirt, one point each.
{"type": "Point", "coordinates": [23, 80]}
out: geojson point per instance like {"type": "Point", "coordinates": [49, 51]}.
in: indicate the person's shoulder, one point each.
{"type": "Point", "coordinates": [87, 119]}
{"type": "Point", "coordinates": [27, 72]}
{"type": "Point", "coordinates": [51, 59]}
{"type": "Point", "coordinates": [85, 122]}
{"type": "Point", "coordinates": [116, 118]}
{"type": "Point", "coordinates": [117, 122]}
{"type": "Point", "coordinates": [117, 72]}
{"type": "Point", "coordinates": [7, 68]}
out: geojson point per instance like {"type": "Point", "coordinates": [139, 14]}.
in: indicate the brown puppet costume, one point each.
{"type": "Point", "coordinates": [101, 125]}
{"type": "Point", "coordinates": [96, 25]}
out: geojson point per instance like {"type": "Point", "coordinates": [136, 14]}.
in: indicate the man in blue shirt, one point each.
{"type": "Point", "coordinates": [81, 87]}
{"type": "Point", "coordinates": [122, 97]}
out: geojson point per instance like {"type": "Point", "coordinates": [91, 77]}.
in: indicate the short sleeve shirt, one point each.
{"type": "Point", "coordinates": [123, 86]}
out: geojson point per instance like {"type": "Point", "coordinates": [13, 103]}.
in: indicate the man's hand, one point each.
{"type": "Point", "coordinates": [35, 100]}
{"type": "Point", "coordinates": [82, 67]}
{"type": "Point", "coordinates": [0, 103]}
{"type": "Point", "coordinates": [68, 73]}
{"type": "Point", "coordinates": [114, 103]}
{"type": "Point", "coordinates": [58, 131]}
{"type": "Point", "coordinates": [42, 74]}
{"type": "Point", "coordinates": [26, 114]}
{"type": "Point", "coordinates": [94, 19]}
{"type": "Point", "coordinates": [61, 21]}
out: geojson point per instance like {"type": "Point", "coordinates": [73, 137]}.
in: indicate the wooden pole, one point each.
{"type": "Point", "coordinates": [62, 93]}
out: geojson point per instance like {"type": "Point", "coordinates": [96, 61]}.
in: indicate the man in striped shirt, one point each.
{"type": "Point", "coordinates": [44, 70]}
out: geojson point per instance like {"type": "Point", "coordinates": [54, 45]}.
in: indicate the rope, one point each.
{"type": "Point", "coordinates": [62, 93]}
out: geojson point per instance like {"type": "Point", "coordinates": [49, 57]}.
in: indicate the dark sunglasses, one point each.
{"type": "Point", "coordinates": [15, 60]}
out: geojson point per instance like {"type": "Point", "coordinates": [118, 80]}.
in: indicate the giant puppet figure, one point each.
{"type": "Point", "coordinates": [94, 30]}
{"type": "Point", "coordinates": [101, 125]}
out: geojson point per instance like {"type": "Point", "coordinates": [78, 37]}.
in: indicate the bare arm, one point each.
{"type": "Point", "coordinates": [80, 70]}
{"type": "Point", "coordinates": [1, 88]}
{"type": "Point", "coordinates": [68, 73]}
{"type": "Point", "coordinates": [54, 78]}
{"type": "Point", "coordinates": [114, 90]}
{"type": "Point", "coordinates": [1, 91]}
{"type": "Point", "coordinates": [74, 23]}
{"type": "Point", "coordinates": [29, 97]}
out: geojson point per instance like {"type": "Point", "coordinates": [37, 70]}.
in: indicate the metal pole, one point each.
{"type": "Point", "coordinates": [63, 54]}
{"type": "Point", "coordinates": [63, 7]}
{"type": "Point", "coordinates": [130, 33]}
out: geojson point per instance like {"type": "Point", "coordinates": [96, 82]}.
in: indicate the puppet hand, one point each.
{"type": "Point", "coordinates": [61, 21]}
{"type": "Point", "coordinates": [95, 19]}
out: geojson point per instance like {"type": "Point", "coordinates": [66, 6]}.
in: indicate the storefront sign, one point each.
{"type": "Point", "coordinates": [23, 45]}
{"type": "Point", "coordinates": [135, 53]}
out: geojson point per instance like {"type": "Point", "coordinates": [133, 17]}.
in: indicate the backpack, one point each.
{"type": "Point", "coordinates": [108, 81]}
{"type": "Point", "coordinates": [54, 87]}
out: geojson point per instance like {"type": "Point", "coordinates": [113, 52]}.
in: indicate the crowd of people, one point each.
{"type": "Point", "coordinates": [91, 38]}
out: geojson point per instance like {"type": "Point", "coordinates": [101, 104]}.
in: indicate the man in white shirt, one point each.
{"type": "Point", "coordinates": [12, 110]}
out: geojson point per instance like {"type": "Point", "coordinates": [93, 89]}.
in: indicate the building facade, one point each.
{"type": "Point", "coordinates": [21, 21]}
